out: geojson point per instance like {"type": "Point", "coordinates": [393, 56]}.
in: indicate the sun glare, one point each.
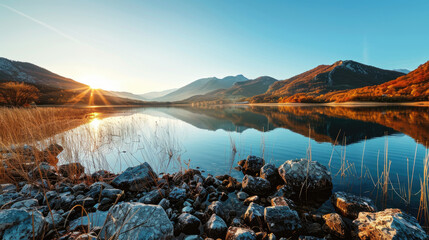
{"type": "Point", "coordinates": [95, 82]}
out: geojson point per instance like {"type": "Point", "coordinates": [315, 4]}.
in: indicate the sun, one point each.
{"type": "Point", "coordinates": [95, 82]}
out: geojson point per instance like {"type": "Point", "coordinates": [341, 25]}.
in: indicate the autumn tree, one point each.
{"type": "Point", "coordinates": [18, 94]}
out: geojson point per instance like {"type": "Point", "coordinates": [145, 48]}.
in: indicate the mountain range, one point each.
{"type": "Point", "coordinates": [340, 81]}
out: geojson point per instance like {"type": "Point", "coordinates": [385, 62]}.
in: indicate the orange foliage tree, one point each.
{"type": "Point", "coordinates": [18, 94]}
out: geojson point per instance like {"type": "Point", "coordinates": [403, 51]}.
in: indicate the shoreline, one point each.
{"type": "Point", "coordinates": [344, 104]}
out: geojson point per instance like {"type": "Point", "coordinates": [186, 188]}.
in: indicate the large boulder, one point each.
{"type": "Point", "coordinates": [21, 224]}
{"type": "Point", "coordinates": [137, 221]}
{"type": "Point", "coordinates": [252, 165]}
{"type": "Point", "coordinates": [136, 178]}
{"type": "Point", "coordinates": [307, 175]}
{"type": "Point", "coordinates": [281, 220]}
{"type": "Point", "coordinates": [254, 215]}
{"type": "Point", "coordinates": [388, 224]}
{"type": "Point", "coordinates": [256, 185]}
{"type": "Point", "coordinates": [350, 205]}
{"type": "Point", "coordinates": [238, 233]}
{"type": "Point", "coordinates": [215, 227]}
{"type": "Point", "coordinates": [93, 219]}
{"type": "Point", "coordinates": [153, 197]}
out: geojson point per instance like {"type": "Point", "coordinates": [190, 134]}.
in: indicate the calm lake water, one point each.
{"type": "Point", "coordinates": [357, 144]}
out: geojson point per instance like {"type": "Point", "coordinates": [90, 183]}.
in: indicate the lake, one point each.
{"type": "Point", "coordinates": [379, 152]}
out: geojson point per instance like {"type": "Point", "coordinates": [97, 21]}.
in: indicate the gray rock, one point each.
{"type": "Point", "coordinates": [254, 215]}
{"type": "Point", "coordinates": [307, 175]}
{"type": "Point", "coordinates": [188, 224]}
{"type": "Point", "coordinates": [310, 238]}
{"type": "Point", "coordinates": [30, 190]}
{"type": "Point", "coordinates": [9, 197]}
{"type": "Point", "coordinates": [215, 227]}
{"type": "Point", "coordinates": [136, 178]}
{"type": "Point", "coordinates": [7, 187]}
{"type": "Point", "coordinates": [138, 221]}
{"type": "Point", "coordinates": [25, 204]}
{"type": "Point", "coordinates": [217, 208]}
{"type": "Point", "coordinates": [252, 165]}
{"type": "Point", "coordinates": [281, 220]}
{"type": "Point", "coordinates": [96, 189]}
{"type": "Point", "coordinates": [242, 196]}
{"type": "Point", "coordinates": [251, 199]}
{"type": "Point", "coordinates": [66, 200]}
{"type": "Point", "coordinates": [43, 170]}
{"type": "Point", "coordinates": [21, 224]}
{"type": "Point", "coordinates": [164, 203]}
{"type": "Point", "coordinates": [335, 225]}
{"type": "Point", "coordinates": [193, 237]}
{"type": "Point", "coordinates": [96, 219]}
{"type": "Point", "coordinates": [350, 205]}
{"type": "Point", "coordinates": [238, 233]}
{"type": "Point", "coordinates": [71, 169]}
{"type": "Point", "coordinates": [177, 194]}
{"type": "Point", "coordinates": [270, 173]}
{"type": "Point", "coordinates": [256, 185]}
{"type": "Point", "coordinates": [282, 201]}
{"type": "Point", "coordinates": [388, 224]}
{"type": "Point", "coordinates": [111, 193]}
{"type": "Point", "coordinates": [54, 219]}
{"type": "Point", "coordinates": [153, 197]}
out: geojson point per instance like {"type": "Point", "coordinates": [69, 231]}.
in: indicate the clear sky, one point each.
{"type": "Point", "coordinates": [140, 46]}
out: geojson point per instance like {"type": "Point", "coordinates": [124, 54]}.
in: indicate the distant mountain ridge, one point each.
{"type": "Point", "coordinates": [327, 78]}
{"type": "Point", "coordinates": [238, 91]}
{"type": "Point", "coordinates": [200, 87]}
{"type": "Point", "coordinates": [156, 94]}
{"type": "Point", "coordinates": [30, 73]}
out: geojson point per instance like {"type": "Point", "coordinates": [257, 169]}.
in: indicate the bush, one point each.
{"type": "Point", "coordinates": [18, 94]}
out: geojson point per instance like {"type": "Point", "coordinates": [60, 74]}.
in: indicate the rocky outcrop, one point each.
{"type": "Point", "coordinates": [138, 221]}
{"type": "Point", "coordinates": [350, 205]}
{"type": "Point", "coordinates": [304, 175]}
{"type": "Point", "coordinates": [388, 224]}
{"type": "Point", "coordinates": [136, 178]}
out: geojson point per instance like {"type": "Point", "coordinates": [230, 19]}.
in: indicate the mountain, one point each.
{"type": "Point", "coordinates": [238, 91]}
{"type": "Point", "coordinates": [56, 89]}
{"type": "Point", "coordinates": [405, 71]}
{"type": "Point", "coordinates": [200, 87]}
{"type": "Point", "coordinates": [32, 74]}
{"type": "Point", "coordinates": [126, 95]}
{"type": "Point", "coordinates": [327, 78]}
{"type": "Point", "coordinates": [411, 87]}
{"type": "Point", "coordinates": [153, 95]}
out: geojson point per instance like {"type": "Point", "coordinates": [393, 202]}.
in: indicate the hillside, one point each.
{"type": "Point", "coordinates": [200, 87]}
{"type": "Point", "coordinates": [341, 75]}
{"type": "Point", "coordinates": [238, 91]}
{"type": "Point", "coordinates": [411, 87]}
{"type": "Point", "coordinates": [152, 95]}
{"type": "Point", "coordinates": [32, 74]}
{"type": "Point", "coordinates": [55, 89]}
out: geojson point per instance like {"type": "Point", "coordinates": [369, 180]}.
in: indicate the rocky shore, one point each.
{"type": "Point", "coordinates": [65, 202]}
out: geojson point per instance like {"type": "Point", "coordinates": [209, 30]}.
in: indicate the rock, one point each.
{"type": "Point", "coordinates": [71, 169]}
{"type": "Point", "coordinates": [66, 200]}
{"type": "Point", "coordinates": [96, 189]}
{"type": "Point", "coordinates": [270, 173]}
{"type": "Point", "coordinates": [188, 224]}
{"type": "Point", "coordinates": [238, 233]}
{"type": "Point", "coordinates": [7, 187]}
{"type": "Point", "coordinates": [310, 238]}
{"type": "Point", "coordinates": [297, 172]}
{"type": "Point", "coordinates": [256, 185]}
{"type": "Point", "coordinates": [53, 150]}
{"type": "Point", "coordinates": [138, 221]}
{"type": "Point", "coordinates": [30, 190]}
{"type": "Point", "coordinates": [281, 201]}
{"type": "Point", "coordinates": [350, 205]}
{"type": "Point", "coordinates": [281, 220]}
{"type": "Point", "coordinates": [284, 191]}
{"type": "Point", "coordinates": [388, 224]}
{"type": "Point", "coordinates": [96, 219]}
{"type": "Point", "coordinates": [153, 197]}
{"type": "Point", "coordinates": [136, 178]}
{"type": "Point", "coordinates": [87, 202]}
{"type": "Point", "coordinates": [177, 195]}
{"type": "Point", "coordinates": [193, 237]}
{"type": "Point", "coordinates": [21, 224]}
{"type": "Point", "coordinates": [112, 193]}
{"type": "Point", "coordinates": [223, 196]}
{"type": "Point", "coordinates": [43, 170]}
{"type": "Point", "coordinates": [25, 204]}
{"type": "Point", "coordinates": [271, 236]}
{"type": "Point", "coordinates": [54, 219]}
{"type": "Point", "coordinates": [164, 203]}
{"type": "Point", "coordinates": [251, 199]}
{"type": "Point", "coordinates": [215, 227]}
{"type": "Point", "coordinates": [335, 225]}
{"type": "Point", "coordinates": [254, 215]}
{"type": "Point", "coordinates": [217, 208]}
{"type": "Point", "coordinates": [242, 196]}
{"type": "Point", "coordinates": [252, 165]}
{"type": "Point", "coordinates": [9, 197]}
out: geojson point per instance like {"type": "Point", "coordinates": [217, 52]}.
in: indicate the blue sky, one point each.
{"type": "Point", "coordinates": [140, 46]}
